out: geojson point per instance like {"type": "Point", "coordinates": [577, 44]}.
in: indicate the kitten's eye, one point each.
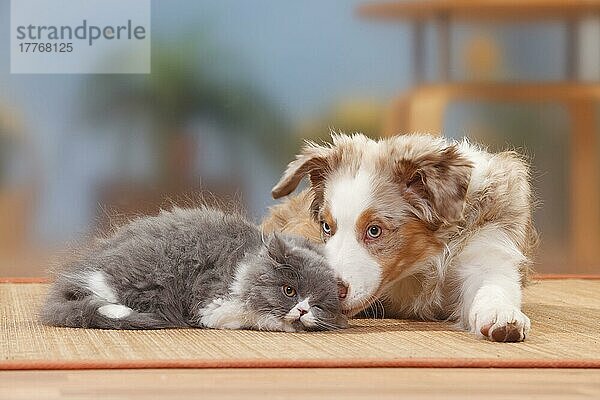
{"type": "Point", "coordinates": [288, 291]}
{"type": "Point", "coordinates": [373, 232]}
{"type": "Point", "coordinates": [326, 228]}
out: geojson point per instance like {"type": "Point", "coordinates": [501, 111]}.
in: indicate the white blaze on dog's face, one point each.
{"type": "Point", "coordinates": [348, 197]}
{"type": "Point", "coordinates": [380, 205]}
{"type": "Point", "coordinates": [372, 235]}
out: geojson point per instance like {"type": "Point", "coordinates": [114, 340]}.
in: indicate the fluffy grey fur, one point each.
{"type": "Point", "coordinates": [196, 268]}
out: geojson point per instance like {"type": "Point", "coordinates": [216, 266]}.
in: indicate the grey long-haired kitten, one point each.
{"type": "Point", "coordinates": [196, 268]}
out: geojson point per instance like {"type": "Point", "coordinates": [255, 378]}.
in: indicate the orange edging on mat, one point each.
{"type": "Point", "coordinates": [25, 280]}
{"type": "Point", "coordinates": [272, 363]}
{"type": "Point", "coordinates": [542, 277]}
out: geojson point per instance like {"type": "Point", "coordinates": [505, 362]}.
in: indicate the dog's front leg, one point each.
{"type": "Point", "coordinates": [490, 299]}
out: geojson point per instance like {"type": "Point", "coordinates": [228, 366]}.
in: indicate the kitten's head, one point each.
{"type": "Point", "coordinates": [291, 285]}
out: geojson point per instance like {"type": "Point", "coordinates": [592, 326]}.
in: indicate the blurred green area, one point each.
{"type": "Point", "coordinates": [194, 79]}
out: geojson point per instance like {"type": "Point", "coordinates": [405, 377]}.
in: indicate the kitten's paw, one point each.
{"type": "Point", "coordinates": [223, 314]}
{"type": "Point", "coordinates": [500, 324]}
{"type": "Point", "coordinates": [115, 311]}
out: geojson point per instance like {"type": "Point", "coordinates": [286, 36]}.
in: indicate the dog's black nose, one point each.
{"type": "Point", "coordinates": [342, 290]}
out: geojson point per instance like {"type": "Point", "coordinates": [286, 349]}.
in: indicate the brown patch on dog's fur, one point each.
{"type": "Point", "coordinates": [367, 218]}
{"type": "Point", "coordinates": [399, 246]}
{"type": "Point", "coordinates": [437, 179]}
{"type": "Point", "coordinates": [292, 216]}
{"type": "Point", "coordinates": [418, 244]}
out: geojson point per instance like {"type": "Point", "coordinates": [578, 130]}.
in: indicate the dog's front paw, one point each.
{"type": "Point", "coordinates": [500, 324]}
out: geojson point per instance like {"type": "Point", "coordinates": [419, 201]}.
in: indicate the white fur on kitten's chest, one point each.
{"type": "Point", "coordinates": [224, 314]}
{"type": "Point", "coordinates": [232, 314]}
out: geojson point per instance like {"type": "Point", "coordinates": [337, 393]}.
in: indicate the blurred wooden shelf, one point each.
{"type": "Point", "coordinates": [515, 91]}
{"type": "Point", "coordinates": [421, 108]}
{"type": "Point", "coordinates": [478, 10]}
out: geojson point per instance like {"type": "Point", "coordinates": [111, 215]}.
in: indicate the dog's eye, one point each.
{"type": "Point", "coordinates": [373, 232]}
{"type": "Point", "coordinates": [288, 291]}
{"type": "Point", "coordinates": [326, 228]}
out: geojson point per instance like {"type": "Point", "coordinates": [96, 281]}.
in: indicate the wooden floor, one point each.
{"type": "Point", "coordinates": [346, 384]}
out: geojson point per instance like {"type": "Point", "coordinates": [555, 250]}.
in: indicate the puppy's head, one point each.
{"type": "Point", "coordinates": [380, 205]}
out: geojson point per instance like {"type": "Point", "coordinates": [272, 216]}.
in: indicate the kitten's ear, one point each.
{"type": "Point", "coordinates": [276, 248]}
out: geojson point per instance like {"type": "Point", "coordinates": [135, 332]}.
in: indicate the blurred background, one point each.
{"type": "Point", "coordinates": [236, 86]}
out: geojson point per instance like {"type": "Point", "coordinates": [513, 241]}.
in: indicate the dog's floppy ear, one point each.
{"type": "Point", "coordinates": [436, 184]}
{"type": "Point", "coordinates": [311, 161]}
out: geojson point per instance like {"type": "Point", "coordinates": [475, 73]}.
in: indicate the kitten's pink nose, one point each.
{"type": "Point", "coordinates": [302, 311]}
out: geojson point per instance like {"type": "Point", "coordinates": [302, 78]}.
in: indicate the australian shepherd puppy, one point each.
{"type": "Point", "coordinates": [436, 230]}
